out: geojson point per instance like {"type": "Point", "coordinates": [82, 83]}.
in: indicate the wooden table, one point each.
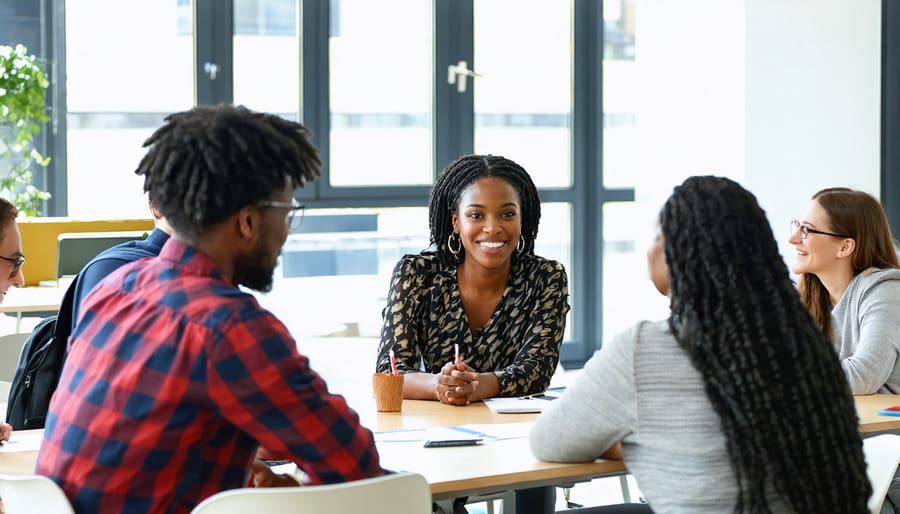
{"type": "Point", "coordinates": [867, 408]}
{"type": "Point", "coordinates": [31, 299]}
{"type": "Point", "coordinates": [493, 466]}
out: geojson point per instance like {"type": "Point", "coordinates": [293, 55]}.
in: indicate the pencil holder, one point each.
{"type": "Point", "coordinates": [388, 389]}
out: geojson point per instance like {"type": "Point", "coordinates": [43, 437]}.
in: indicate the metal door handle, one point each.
{"type": "Point", "coordinates": [457, 73]}
{"type": "Point", "coordinates": [211, 69]}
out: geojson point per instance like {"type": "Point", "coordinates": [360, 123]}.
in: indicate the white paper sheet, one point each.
{"type": "Point", "coordinates": [22, 442]}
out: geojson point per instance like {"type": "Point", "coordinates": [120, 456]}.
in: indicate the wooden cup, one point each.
{"type": "Point", "coordinates": [388, 389]}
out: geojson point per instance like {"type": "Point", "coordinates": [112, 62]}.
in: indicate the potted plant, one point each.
{"type": "Point", "coordinates": [22, 111]}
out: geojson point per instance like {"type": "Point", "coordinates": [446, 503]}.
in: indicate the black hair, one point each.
{"type": "Point", "coordinates": [207, 163]}
{"type": "Point", "coordinates": [447, 190]}
{"type": "Point", "coordinates": [771, 374]}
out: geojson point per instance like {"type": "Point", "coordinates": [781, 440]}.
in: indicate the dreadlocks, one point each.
{"type": "Point", "coordinates": [448, 189]}
{"type": "Point", "coordinates": [771, 375]}
{"type": "Point", "coordinates": [206, 163]}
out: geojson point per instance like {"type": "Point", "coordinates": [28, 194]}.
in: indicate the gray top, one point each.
{"type": "Point", "coordinates": [866, 326]}
{"type": "Point", "coordinates": [642, 389]}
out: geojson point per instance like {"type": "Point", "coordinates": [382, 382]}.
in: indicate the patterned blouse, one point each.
{"type": "Point", "coordinates": [424, 317]}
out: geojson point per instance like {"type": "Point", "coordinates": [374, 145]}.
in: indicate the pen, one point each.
{"type": "Point", "coordinates": [456, 352]}
{"type": "Point", "coordinates": [393, 362]}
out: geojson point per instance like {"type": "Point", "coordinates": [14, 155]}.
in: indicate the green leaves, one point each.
{"type": "Point", "coordinates": [23, 109]}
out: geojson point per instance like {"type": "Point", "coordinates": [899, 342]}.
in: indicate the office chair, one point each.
{"type": "Point", "coordinates": [401, 493]}
{"type": "Point", "coordinates": [24, 494]}
{"type": "Point", "coordinates": [882, 454]}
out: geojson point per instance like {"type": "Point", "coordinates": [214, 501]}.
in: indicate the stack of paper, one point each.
{"type": "Point", "coordinates": [523, 404]}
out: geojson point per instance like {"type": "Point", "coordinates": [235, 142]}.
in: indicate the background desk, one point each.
{"type": "Point", "coordinates": [20, 300]}
{"type": "Point", "coordinates": [32, 299]}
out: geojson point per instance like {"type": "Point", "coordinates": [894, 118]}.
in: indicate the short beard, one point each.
{"type": "Point", "coordinates": [255, 275]}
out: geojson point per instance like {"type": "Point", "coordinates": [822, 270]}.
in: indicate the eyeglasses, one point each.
{"type": "Point", "coordinates": [294, 215]}
{"type": "Point", "coordinates": [806, 231]}
{"type": "Point", "coordinates": [16, 262]}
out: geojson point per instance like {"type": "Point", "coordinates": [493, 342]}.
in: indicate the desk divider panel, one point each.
{"type": "Point", "coordinates": [40, 236]}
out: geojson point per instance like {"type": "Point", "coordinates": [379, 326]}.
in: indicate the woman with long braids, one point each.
{"type": "Point", "coordinates": [481, 289]}
{"type": "Point", "coordinates": [850, 282]}
{"type": "Point", "coordinates": [737, 402]}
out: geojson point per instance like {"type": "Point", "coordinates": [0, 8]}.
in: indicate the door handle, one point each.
{"type": "Point", "coordinates": [457, 74]}
{"type": "Point", "coordinates": [211, 69]}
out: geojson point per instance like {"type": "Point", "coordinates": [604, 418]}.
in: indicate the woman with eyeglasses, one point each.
{"type": "Point", "coordinates": [734, 404]}
{"type": "Point", "coordinates": [11, 261]}
{"type": "Point", "coordinates": [849, 280]}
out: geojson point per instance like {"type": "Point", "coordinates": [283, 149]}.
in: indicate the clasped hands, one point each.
{"type": "Point", "coordinates": [456, 384]}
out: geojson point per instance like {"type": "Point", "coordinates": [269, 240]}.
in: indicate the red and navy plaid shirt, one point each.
{"type": "Point", "coordinates": [174, 378]}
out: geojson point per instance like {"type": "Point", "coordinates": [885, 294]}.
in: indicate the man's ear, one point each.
{"type": "Point", "coordinates": [847, 248]}
{"type": "Point", "coordinates": [248, 222]}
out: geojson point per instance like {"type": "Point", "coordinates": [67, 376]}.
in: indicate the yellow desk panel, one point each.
{"type": "Point", "coordinates": [39, 237]}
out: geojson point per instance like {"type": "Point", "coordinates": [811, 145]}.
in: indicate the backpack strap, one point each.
{"type": "Point", "coordinates": [64, 316]}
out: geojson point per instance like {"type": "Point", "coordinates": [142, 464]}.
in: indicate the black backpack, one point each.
{"type": "Point", "coordinates": [39, 368]}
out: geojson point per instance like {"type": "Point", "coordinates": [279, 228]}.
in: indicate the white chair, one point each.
{"type": "Point", "coordinates": [10, 346]}
{"type": "Point", "coordinates": [400, 493]}
{"type": "Point", "coordinates": [25, 494]}
{"type": "Point", "coordinates": [882, 454]}
{"type": "Point", "coordinates": [4, 394]}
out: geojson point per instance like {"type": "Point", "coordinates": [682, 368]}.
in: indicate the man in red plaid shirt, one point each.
{"type": "Point", "coordinates": [175, 375]}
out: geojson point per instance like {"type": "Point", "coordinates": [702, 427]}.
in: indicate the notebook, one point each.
{"type": "Point", "coordinates": [523, 404]}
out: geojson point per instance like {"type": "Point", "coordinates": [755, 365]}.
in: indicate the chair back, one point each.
{"type": "Point", "coordinates": [399, 493]}
{"type": "Point", "coordinates": [882, 454]}
{"type": "Point", "coordinates": [25, 494]}
{"type": "Point", "coordinates": [10, 347]}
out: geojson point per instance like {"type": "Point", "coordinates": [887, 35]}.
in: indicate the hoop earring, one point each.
{"type": "Point", "coordinates": [521, 246]}
{"type": "Point", "coordinates": [458, 248]}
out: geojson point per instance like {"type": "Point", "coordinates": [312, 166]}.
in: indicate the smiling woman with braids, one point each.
{"type": "Point", "coordinates": [737, 402]}
{"type": "Point", "coordinates": [483, 289]}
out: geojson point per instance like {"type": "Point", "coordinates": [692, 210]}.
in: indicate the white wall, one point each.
{"type": "Point", "coordinates": [812, 102]}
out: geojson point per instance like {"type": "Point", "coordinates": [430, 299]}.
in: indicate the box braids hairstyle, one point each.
{"type": "Point", "coordinates": [448, 189]}
{"type": "Point", "coordinates": [771, 374]}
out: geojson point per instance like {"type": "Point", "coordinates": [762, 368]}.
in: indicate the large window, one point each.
{"type": "Point", "coordinates": [121, 81]}
{"type": "Point", "coordinates": [390, 99]}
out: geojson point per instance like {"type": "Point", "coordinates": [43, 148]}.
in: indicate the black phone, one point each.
{"type": "Point", "coordinates": [445, 443]}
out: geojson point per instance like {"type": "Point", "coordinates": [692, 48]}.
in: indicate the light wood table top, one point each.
{"type": "Point", "coordinates": [32, 299]}
{"type": "Point", "coordinates": [867, 408]}
{"type": "Point", "coordinates": [493, 466]}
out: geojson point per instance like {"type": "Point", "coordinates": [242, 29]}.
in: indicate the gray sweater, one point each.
{"type": "Point", "coordinates": [866, 327]}
{"type": "Point", "coordinates": [642, 389]}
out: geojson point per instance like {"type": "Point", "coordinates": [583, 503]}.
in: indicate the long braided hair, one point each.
{"type": "Point", "coordinates": [771, 375]}
{"type": "Point", "coordinates": [448, 188]}
{"type": "Point", "coordinates": [211, 161]}
{"type": "Point", "coordinates": [859, 215]}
